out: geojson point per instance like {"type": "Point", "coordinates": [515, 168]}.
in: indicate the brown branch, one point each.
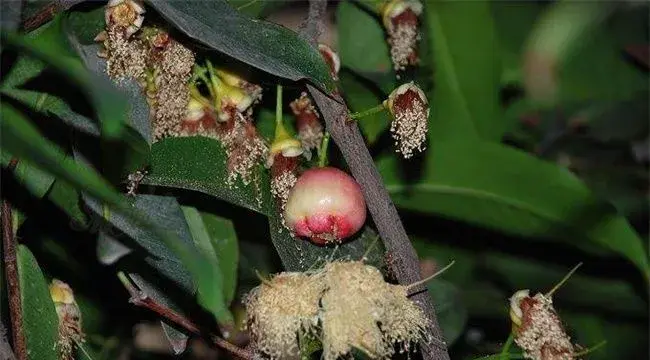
{"type": "Point", "coordinates": [140, 299]}
{"type": "Point", "coordinates": [406, 265]}
{"type": "Point", "coordinates": [11, 272]}
{"type": "Point", "coordinates": [44, 14]}
{"type": "Point", "coordinates": [312, 27]}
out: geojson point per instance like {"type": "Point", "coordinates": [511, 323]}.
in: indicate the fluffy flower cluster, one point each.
{"type": "Point", "coordinates": [347, 305]}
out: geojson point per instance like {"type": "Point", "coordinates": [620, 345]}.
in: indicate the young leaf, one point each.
{"type": "Point", "coordinates": [450, 310]}
{"type": "Point", "coordinates": [515, 193]}
{"type": "Point", "coordinates": [40, 322]}
{"type": "Point", "coordinates": [266, 46]}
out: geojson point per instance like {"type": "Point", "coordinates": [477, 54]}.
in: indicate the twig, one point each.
{"type": "Point", "coordinates": [140, 299]}
{"type": "Point", "coordinates": [11, 272]}
{"type": "Point", "coordinates": [45, 14]}
{"type": "Point", "coordinates": [406, 267]}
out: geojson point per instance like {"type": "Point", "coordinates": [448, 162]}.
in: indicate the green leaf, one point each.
{"type": "Point", "coordinates": [38, 182]}
{"type": "Point", "coordinates": [199, 163]}
{"type": "Point", "coordinates": [67, 198]}
{"type": "Point", "coordinates": [109, 104]}
{"type": "Point", "coordinates": [450, 310]}
{"type": "Point", "coordinates": [582, 290]}
{"type": "Point", "coordinates": [23, 140]}
{"type": "Point", "coordinates": [360, 97]}
{"type": "Point", "coordinates": [594, 68]}
{"type": "Point", "coordinates": [362, 42]}
{"type": "Point", "coordinates": [216, 237]}
{"type": "Point", "coordinates": [625, 340]}
{"type": "Point", "coordinates": [504, 189]}
{"type": "Point", "coordinates": [266, 46]}
{"type": "Point", "coordinates": [467, 71]}
{"type": "Point", "coordinates": [40, 321]}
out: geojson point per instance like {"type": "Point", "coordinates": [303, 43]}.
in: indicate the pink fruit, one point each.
{"type": "Point", "coordinates": [326, 205]}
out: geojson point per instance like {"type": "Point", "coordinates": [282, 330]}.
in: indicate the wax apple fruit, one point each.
{"type": "Point", "coordinates": [325, 205]}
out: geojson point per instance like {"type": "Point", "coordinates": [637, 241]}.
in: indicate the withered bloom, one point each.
{"type": "Point", "coordinates": [538, 329]}
{"type": "Point", "coordinates": [67, 310]}
{"type": "Point", "coordinates": [410, 110]}
{"type": "Point", "coordinates": [400, 18]}
{"type": "Point", "coordinates": [310, 130]}
{"type": "Point", "coordinates": [124, 14]}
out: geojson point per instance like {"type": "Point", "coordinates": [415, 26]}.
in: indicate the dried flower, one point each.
{"type": "Point", "coordinates": [67, 310]}
{"type": "Point", "coordinates": [538, 329]}
{"type": "Point", "coordinates": [400, 18]}
{"type": "Point", "coordinates": [310, 130]}
{"type": "Point", "coordinates": [410, 110]}
{"type": "Point", "coordinates": [126, 15]}
{"type": "Point", "coordinates": [332, 59]}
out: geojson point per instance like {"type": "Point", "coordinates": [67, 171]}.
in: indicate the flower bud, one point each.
{"type": "Point", "coordinates": [126, 14]}
{"type": "Point", "coordinates": [400, 18]}
{"type": "Point", "coordinates": [325, 205]}
{"type": "Point", "coordinates": [410, 110]}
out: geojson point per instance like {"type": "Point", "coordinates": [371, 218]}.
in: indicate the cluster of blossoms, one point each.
{"type": "Point", "coordinates": [173, 83]}
{"type": "Point", "coordinates": [67, 310]}
{"type": "Point", "coordinates": [400, 19]}
{"type": "Point", "coordinates": [347, 305]}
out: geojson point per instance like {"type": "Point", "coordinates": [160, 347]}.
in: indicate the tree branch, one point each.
{"type": "Point", "coordinates": [140, 299]}
{"type": "Point", "coordinates": [406, 265]}
{"type": "Point", "coordinates": [11, 273]}
{"type": "Point", "coordinates": [312, 27]}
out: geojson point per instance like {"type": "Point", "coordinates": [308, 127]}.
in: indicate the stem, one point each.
{"type": "Point", "coordinates": [384, 214]}
{"type": "Point", "coordinates": [322, 151]}
{"type": "Point", "coordinates": [504, 355]}
{"type": "Point", "coordinates": [140, 299]}
{"type": "Point", "coordinates": [278, 107]}
{"type": "Point", "coordinates": [11, 271]}
{"type": "Point", "coordinates": [377, 109]}
{"type": "Point", "coordinates": [409, 288]}
{"type": "Point", "coordinates": [564, 279]}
